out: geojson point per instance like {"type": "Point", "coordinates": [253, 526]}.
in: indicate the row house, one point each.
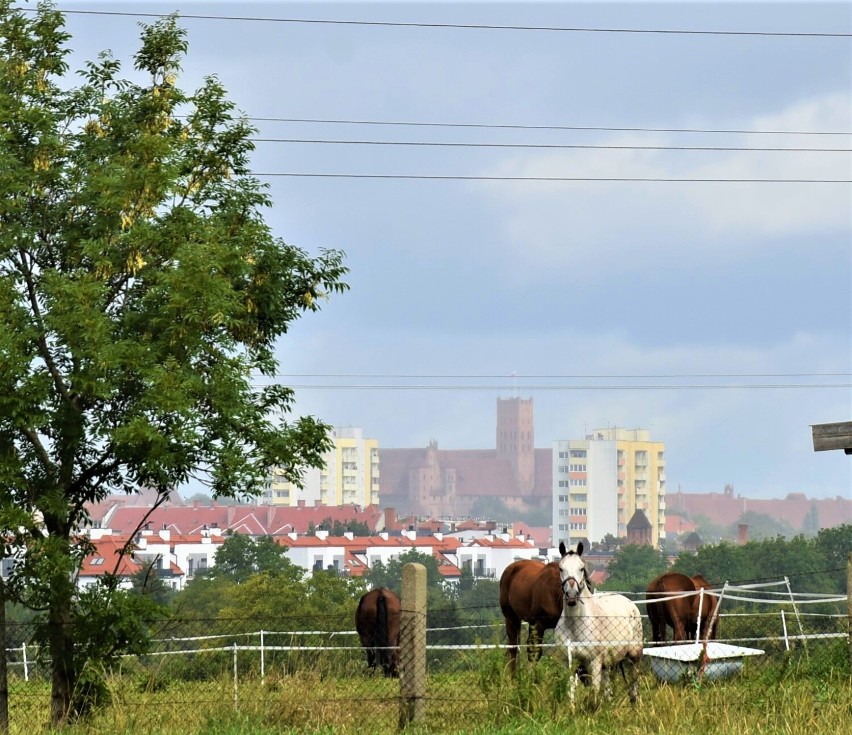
{"type": "Point", "coordinates": [179, 557]}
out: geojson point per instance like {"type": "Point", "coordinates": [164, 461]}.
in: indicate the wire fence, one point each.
{"type": "Point", "coordinates": [311, 672]}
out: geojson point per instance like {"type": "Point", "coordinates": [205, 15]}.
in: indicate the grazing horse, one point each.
{"type": "Point", "coordinates": [529, 592]}
{"type": "Point", "coordinates": [601, 630]}
{"type": "Point", "coordinates": [681, 614]}
{"type": "Point", "coordinates": [377, 621]}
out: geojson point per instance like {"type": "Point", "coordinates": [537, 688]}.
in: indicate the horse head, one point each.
{"type": "Point", "coordinates": [572, 574]}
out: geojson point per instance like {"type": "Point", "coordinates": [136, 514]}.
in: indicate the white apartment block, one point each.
{"type": "Point", "coordinates": [599, 483]}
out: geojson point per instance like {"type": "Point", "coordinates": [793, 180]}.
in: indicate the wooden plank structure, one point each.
{"type": "Point", "coordinates": [833, 436]}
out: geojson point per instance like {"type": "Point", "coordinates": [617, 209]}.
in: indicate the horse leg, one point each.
{"type": "Point", "coordinates": [595, 669]}
{"type": "Point", "coordinates": [536, 636]}
{"type": "Point", "coordinates": [658, 628]}
{"type": "Point", "coordinates": [633, 688]}
{"type": "Point", "coordinates": [678, 628]}
{"type": "Point", "coordinates": [633, 682]}
{"type": "Point", "coordinates": [513, 634]}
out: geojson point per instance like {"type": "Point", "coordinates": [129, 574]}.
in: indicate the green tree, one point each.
{"type": "Point", "coordinates": [109, 622]}
{"type": "Point", "coordinates": [834, 545]}
{"type": "Point", "coordinates": [390, 574]}
{"type": "Point", "coordinates": [148, 583]}
{"type": "Point", "coordinates": [203, 598]}
{"type": "Point", "coordinates": [633, 567]}
{"type": "Point", "coordinates": [810, 523]}
{"type": "Point", "coordinates": [718, 563]}
{"type": "Point", "coordinates": [760, 526]}
{"type": "Point", "coordinates": [241, 556]}
{"type": "Point", "coordinates": [200, 498]}
{"type": "Point", "coordinates": [141, 297]}
{"type": "Point", "coordinates": [338, 528]}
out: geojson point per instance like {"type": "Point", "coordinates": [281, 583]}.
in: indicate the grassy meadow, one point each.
{"type": "Point", "coordinates": [789, 696]}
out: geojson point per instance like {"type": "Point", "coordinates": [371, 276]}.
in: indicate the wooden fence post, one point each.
{"type": "Point", "coordinates": [412, 645]}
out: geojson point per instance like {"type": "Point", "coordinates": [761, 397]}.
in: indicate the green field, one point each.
{"type": "Point", "coordinates": [794, 696]}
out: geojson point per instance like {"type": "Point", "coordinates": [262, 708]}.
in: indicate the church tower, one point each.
{"type": "Point", "coordinates": [516, 439]}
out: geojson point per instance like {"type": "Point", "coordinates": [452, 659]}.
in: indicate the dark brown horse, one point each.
{"type": "Point", "coordinates": [681, 614]}
{"type": "Point", "coordinates": [377, 621]}
{"type": "Point", "coordinates": [530, 592]}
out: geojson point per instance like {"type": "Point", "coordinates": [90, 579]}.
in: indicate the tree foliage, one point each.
{"type": "Point", "coordinates": [241, 556]}
{"type": "Point", "coordinates": [390, 574]}
{"type": "Point", "coordinates": [338, 528]}
{"type": "Point", "coordinates": [811, 564]}
{"type": "Point", "coordinates": [633, 567]}
{"type": "Point", "coordinates": [141, 296]}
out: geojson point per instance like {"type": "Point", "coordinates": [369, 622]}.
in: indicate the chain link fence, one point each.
{"type": "Point", "coordinates": [310, 672]}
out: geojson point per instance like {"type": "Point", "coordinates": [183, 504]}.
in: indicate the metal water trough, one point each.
{"type": "Point", "coordinates": [672, 663]}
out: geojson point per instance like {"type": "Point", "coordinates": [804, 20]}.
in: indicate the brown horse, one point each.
{"type": "Point", "coordinates": [377, 621]}
{"type": "Point", "coordinates": [530, 592]}
{"type": "Point", "coordinates": [681, 614]}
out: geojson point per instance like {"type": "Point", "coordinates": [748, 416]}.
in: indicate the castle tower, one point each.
{"type": "Point", "coordinates": [516, 439]}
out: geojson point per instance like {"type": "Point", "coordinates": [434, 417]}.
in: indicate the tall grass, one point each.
{"type": "Point", "coordinates": [781, 695]}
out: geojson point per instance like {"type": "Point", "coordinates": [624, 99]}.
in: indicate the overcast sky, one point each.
{"type": "Point", "coordinates": [613, 303]}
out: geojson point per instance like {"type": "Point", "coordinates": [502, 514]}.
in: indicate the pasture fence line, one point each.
{"type": "Point", "coordinates": [309, 673]}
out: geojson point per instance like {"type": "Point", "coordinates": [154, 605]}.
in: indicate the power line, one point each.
{"type": "Point", "coordinates": [512, 126]}
{"type": "Point", "coordinates": [573, 388]}
{"type": "Point", "coordinates": [466, 26]}
{"type": "Point", "coordinates": [559, 146]}
{"type": "Point", "coordinates": [518, 126]}
{"type": "Point", "coordinates": [558, 376]}
{"type": "Point", "coordinates": [633, 179]}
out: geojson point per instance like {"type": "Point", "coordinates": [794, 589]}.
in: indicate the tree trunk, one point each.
{"type": "Point", "coordinates": [63, 675]}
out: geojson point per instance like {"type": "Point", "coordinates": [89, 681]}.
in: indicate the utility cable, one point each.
{"type": "Point", "coordinates": [549, 146]}
{"type": "Point", "coordinates": [612, 179]}
{"type": "Point", "coordinates": [463, 26]}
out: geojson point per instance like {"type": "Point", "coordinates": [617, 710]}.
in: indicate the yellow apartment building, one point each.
{"type": "Point", "coordinates": [599, 483]}
{"type": "Point", "coordinates": [350, 474]}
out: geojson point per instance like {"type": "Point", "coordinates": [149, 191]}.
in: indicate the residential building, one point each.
{"type": "Point", "coordinates": [797, 510]}
{"type": "Point", "coordinates": [350, 474]}
{"type": "Point", "coordinates": [601, 481]}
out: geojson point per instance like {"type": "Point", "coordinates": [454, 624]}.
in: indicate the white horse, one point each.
{"type": "Point", "coordinates": [601, 630]}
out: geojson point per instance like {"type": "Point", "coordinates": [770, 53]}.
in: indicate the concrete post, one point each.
{"type": "Point", "coordinates": [412, 645]}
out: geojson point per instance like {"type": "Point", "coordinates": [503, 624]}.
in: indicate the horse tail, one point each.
{"type": "Point", "coordinates": [380, 634]}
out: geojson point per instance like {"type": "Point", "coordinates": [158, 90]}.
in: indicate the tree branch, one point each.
{"type": "Point", "coordinates": [130, 541]}
{"type": "Point", "coordinates": [32, 437]}
{"type": "Point", "coordinates": [44, 351]}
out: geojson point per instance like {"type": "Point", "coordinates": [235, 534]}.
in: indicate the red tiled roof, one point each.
{"type": "Point", "coordinates": [440, 547]}
{"type": "Point", "coordinates": [106, 556]}
{"type": "Point", "coordinates": [255, 520]}
{"type": "Point", "coordinates": [678, 524]}
{"type": "Point", "coordinates": [499, 542]}
{"type": "Point", "coordinates": [599, 576]}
